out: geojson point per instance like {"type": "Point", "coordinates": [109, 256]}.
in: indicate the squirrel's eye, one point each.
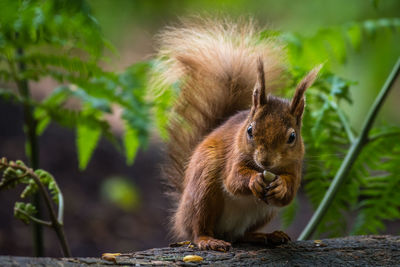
{"type": "Point", "coordinates": [292, 137]}
{"type": "Point", "coordinates": [250, 131]}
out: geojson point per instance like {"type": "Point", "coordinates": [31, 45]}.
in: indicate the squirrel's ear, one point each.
{"type": "Point", "coordinates": [259, 89]}
{"type": "Point", "coordinates": [298, 101]}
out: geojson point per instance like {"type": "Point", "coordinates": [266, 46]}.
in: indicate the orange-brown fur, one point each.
{"type": "Point", "coordinates": [214, 161]}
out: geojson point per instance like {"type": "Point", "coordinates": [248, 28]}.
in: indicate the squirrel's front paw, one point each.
{"type": "Point", "coordinates": [258, 185]}
{"type": "Point", "coordinates": [278, 193]}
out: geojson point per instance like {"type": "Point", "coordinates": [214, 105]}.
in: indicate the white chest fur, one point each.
{"type": "Point", "coordinates": [241, 213]}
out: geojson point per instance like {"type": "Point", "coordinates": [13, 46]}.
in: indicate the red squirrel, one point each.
{"type": "Point", "coordinates": [226, 130]}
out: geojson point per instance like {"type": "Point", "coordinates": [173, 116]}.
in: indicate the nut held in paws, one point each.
{"type": "Point", "coordinates": [269, 176]}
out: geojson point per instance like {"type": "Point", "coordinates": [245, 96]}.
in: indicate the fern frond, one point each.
{"type": "Point", "coordinates": [131, 143]}
{"type": "Point", "coordinates": [63, 62]}
{"type": "Point", "coordinates": [86, 141]}
{"type": "Point", "coordinates": [40, 22]}
{"type": "Point", "coordinates": [326, 131]}
{"type": "Point", "coordinates": [380, 194]}
{"type": "Point", "coordinates": [97, 93]}
{"type": "Point", "coordinates": [326, 135]}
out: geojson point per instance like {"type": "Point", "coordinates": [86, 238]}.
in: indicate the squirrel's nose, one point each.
{"type": "Point", "coordinates": [270, 160]}
{"type": "Point", "coordinates": [263, 159]}
{"type": "Point", "coordinates": [266, 163]}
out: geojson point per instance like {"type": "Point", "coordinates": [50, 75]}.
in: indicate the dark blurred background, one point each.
{"type": "Point", "coordinates": [132, 214]}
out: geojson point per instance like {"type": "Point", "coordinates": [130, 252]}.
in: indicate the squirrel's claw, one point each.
{"type": "Point", "coordinates": [257, 185]}
{"type": "Point", "coordinates": [269, 190]}
{"type": "Point", "coordinates": [270, 187]}
{"type": "Point", "coordinates": [277, 238]}
{"type": "Point", "coordinates": [264, 189]}
{"type": "Point", "coordinates": [279, 193]}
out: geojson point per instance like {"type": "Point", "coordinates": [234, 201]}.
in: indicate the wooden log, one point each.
{"type": "Point", "coordinates": [348, 251]}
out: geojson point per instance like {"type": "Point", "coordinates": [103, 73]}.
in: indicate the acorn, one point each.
{"type": "Point", "coordinates": [268, 176]}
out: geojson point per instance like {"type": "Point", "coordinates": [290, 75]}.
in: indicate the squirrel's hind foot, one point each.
{"type": "Point", "coordinates": [275, 238]}
{"type": "Point", "coordinates": [210, 243]}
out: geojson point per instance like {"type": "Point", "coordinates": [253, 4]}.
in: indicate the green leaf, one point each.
{"type": "Point", "coordinates": [54, 191]}
{"type": "Point", "coordinates": [379, 193]}
{"type": "Point", "coordinates": [42, 125]}
{"type": "Point", "coordinates": [94, 102]}
{"type": "Point", "coordinates": [131, 143]}
{"type": "Point", "coordinates": [30, 189]}
{"type": "Point", "coordinates": [57, 97]}
{"type": "Point", "coordinates": [9, 178]}
{"type": "Point", "coordinates": [44, 176]}
{"type": "Point", "coordinates": [86, 141]}
{"type": "Point", "coordinates": [27, 208]}
{"type": "Point", "coordinates": [354, 34]}
{"type": "Point", "coordinates": [12, 176]}
{"type": "Point", "coordinates": [10, 173]}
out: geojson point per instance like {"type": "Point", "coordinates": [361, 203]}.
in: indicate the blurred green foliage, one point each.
{"type": "Point", "coordinates": [121, 192]}
{"type": "Point", "coordinates": [62, 40]}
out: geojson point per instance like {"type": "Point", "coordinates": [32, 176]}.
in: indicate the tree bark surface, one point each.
{"type": "Point", "coordinates": [348, 251]}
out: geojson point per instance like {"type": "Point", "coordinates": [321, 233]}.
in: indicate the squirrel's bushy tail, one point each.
{"type": "Point", "coordinates": [214, 63]}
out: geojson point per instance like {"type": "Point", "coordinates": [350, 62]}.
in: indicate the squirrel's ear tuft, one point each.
{"type": "Point", "coordinates": [259, 89]}
{"type": "Point", "coordinates": [298, 101]}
